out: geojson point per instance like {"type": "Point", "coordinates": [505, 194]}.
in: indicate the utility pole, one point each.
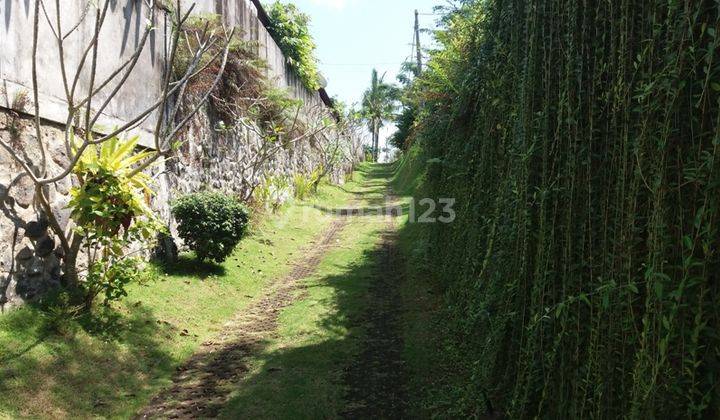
{"type": "Point", "coordinates": [417, 41]}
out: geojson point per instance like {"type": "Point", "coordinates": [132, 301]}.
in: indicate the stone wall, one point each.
{"type": "Point", "coordinates": [208, 159]}
{"type": "Point", "coordinates": [29, 258]}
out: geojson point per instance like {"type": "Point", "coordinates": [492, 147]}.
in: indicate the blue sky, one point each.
{"type": "Point", "coordinates": [355, 36]}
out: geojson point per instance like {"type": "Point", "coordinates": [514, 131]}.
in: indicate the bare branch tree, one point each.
{"type": "Point", "coordinates": [293, 124]}
{"type": "Point", "coordinates": [84, 110]}
{"type": "Point", "coordinates": [339, 147]}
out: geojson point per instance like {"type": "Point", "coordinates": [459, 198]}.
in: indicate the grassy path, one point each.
{"type": "Point", "coordinates": [204, 383]}
{"type": "Point", "coordinates": [377, 377]}
{"type": "Point", "coordinates": [337, 349]}
{"type": "Point", "coordinates": [305, 321]}
{"type": "Point", "coordinates": [113, 365]}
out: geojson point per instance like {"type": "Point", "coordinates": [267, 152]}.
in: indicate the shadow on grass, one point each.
{"type": "Point", "coordinates": [348, 363]}
{"type": "Point", "coordinates": [102, 364]}
{"type": "Point", "coordinates": [338, 367]}
{"type": "Point", "coordinates": [306, 381]}
{"type": "Point", "coordinates": [189, 266]}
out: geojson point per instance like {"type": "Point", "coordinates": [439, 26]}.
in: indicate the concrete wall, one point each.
{"type": "Point", "coordinates": [29, 257]}
{"type": "Point", "coordinates": [120, 36]}
{"type": "Point", "coordinates": [243, 15]}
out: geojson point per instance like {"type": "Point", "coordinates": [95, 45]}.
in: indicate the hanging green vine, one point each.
{"type": "Point", "coordinates": [289, 27]}
{"type": "Point", "coordinates": [581, 142]}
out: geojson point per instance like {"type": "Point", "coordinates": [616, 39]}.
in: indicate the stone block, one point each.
{"type": "Point", "coordinates": [23, 192]}
{"type": "Point", "coordinates": [61, 211]}
{"type": "Point", "coordinates": [45, 247]}
{"type": "Point", "coordinates": [25, 254]}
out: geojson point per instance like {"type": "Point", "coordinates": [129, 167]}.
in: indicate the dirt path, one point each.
{"type": "Point", "coordinates": [376, 379]}
{"type": "Point", "coordinates": [203, 384]}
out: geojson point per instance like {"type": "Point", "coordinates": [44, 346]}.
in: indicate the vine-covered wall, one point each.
{"type": "Point", "coordinates": [581, 141]}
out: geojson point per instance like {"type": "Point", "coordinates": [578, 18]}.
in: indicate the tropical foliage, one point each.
{"type": "Point", "coordinates": [581, 141]}
{"type": "Point", "coordinates": [407, 116]}
{"type": "Point", "coordinates": [111, 193]}
{"type": "Point", "coordinates": [289, 28]}
{"type": "Point", "coordinates": [378, 106]}
{"type": "Point", "coordinates": [111, 214]}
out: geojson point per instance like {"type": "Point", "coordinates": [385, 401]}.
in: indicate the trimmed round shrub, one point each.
{"type": "Point", "coordinates": [211, 224]}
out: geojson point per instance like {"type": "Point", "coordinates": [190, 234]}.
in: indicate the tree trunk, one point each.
{"type": "Point", "coordinates": [70, 271]}
{"type": "Point", "coordinates": [376, 140]}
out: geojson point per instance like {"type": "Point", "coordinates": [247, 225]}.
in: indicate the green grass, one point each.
{"type": "Point", "coordinates": [158, 326]}
{"type": "Point", "coordinates": [296, 374]}
{"type": "Point", "coordinates": [299, 374]}
{"type": "Point", "coordinates": [432, 365]}
{"type": "Point", "coordinates": [410, 171]}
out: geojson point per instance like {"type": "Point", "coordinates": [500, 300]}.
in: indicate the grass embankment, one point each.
{"type": "Point", "coordinates": [434, 367]}
{"type": "Point", "coordinates": [112, 371]}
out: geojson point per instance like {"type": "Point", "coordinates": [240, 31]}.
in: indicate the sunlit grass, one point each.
{"type": "Point", "coordinates": [114, 372]}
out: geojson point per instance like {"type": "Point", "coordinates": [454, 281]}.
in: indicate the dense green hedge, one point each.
{"type": "Point", "coordinates": [211, 223]}
{"type": "Point", "coordinates": [581, 141]}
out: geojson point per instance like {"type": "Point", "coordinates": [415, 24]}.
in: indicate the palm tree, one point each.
{"type": "Point", "coordinates": [378, 105]}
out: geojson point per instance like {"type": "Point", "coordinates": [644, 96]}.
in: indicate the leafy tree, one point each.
{"type": "Point", "coordinates": [378, 106]}
{"type": "Point", "coordinates": [405, 122]}
{"type": "Point", "coordinates": [289, 28]}
{"type": "Point", "coordinates": [406, 118]}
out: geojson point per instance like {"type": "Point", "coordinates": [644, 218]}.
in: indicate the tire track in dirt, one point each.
{"type": "Point", "coordinates": [376, 380]}
{"type": "Point", "coordinates": [204, 383]}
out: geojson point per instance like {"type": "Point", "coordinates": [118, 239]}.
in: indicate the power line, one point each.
{"type": "Point", "coordinates": [363, 64]}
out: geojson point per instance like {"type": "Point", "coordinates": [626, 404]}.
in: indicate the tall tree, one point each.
{"type": "Point", "coordinates": [378, 105]}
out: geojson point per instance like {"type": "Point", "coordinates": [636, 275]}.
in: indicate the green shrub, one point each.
{"type": "Point", "coordinates": [289, 27]}
{"type": "Point", "coordinates": [302, 186]}
{"type": "Point", "coordinates": [211, 224]}
{"type": "Point", "coordinates": [274, 192]}
{"type": "Point", "coordinates": [305, 185]}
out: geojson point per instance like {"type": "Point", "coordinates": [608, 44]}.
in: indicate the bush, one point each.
{"type": "Point", "coordinates": [211, 224]}
{"type": "Point", "coordinates": [289, 27]}
{"type": "Point", "coordinates": [273, 193]}
{"type": "Point", "coordinates": [304, 185]}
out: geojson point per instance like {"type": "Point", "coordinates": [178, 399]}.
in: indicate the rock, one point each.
{"type": "Point", "coordinates": [52, 267]}
{"type": "Point", "coordinates": [59, 252]}
{"type": "Point", "coordinates": [36, 229]}
{"type": "Point", "coordinates": [63, 186]}
{"type": "Point", "coordinates": [24, 192]}
{"type": "Point", "coordinates": [45, 246]}
{"type": "Point", "coordinates": [166, 250]}
{"type": "Point", "coordinates": [56, 149]}
{"type": "Point", "coordinates": [25, 254]}
{"type": "Point", "coordinates": [61, 211]}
